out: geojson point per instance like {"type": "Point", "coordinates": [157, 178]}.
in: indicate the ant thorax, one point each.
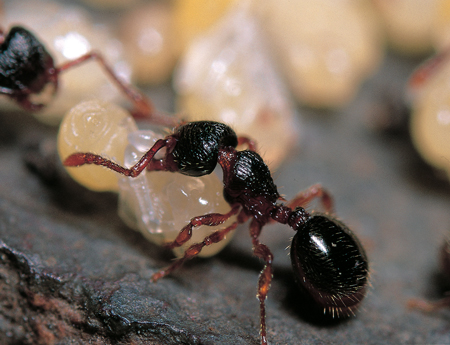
{"type": "Point", "coordinates": [159, 204]}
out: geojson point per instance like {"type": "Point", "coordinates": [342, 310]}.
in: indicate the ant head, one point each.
{"type": "Point", "coordinates": [197, 148]}
{"type": "Point", "coordinates": [26, 63]}
{"type": "Point", "coordinates": [330, 264]}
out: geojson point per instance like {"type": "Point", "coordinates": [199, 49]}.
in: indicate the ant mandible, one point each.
{"type": "Point", "coordinates": [327, 259]}
{"type": "Point", "coordinates": [27, 71]}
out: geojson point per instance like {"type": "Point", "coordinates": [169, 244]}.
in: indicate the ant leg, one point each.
{"type": "Point", "coordinates": [143, 106]}
{"type": "Point", "coordinates": [429, 307]}
{"type": "Point", "coordinates": [265, 277]}
{"type": "Point", "coordinates": [250, 143]}
{"type": "Point", "coordinates": [313, 192]}
{"type": "Point", "coordinates": [81, 158]}
{"type": "Point", "coordinates": [211, 219]}
{"type": "Point", "coordinates": [26, 104]}
{"type": "Point", "coordinates": [194, 250]}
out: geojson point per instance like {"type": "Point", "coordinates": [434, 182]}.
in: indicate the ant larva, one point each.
{"type": "Point", "coordinates": [327, 259]}
{"type": "Point", "coordinates": [28, 72]}
{"type": "Point", "coordinates": [429, 94]}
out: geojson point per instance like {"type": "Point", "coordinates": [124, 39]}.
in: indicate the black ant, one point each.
{"type": "Point", "coordinates": [327, 259]}
{"type": "Point", "coordinates": [27, 71]}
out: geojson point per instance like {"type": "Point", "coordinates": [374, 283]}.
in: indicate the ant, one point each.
{"type": "Point", "coordinates": [27, 71]}
{"type": "Point", "coordinates": [327, 259]}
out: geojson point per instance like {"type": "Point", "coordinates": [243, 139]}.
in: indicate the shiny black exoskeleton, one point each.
{"type": "Point", "coordinates": [25, 66]}
{"type": "Point", "coordinates": [198, 144]}
{"type": "Point", "coordinates": [248, 182]}
{"type": "Point", "coordinates": [328, 261]}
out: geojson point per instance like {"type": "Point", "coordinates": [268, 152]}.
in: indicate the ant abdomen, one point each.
{"type": "Point", "coordinates": [330, 264]}
{"type": "Point", "coordinates": [198, 146]}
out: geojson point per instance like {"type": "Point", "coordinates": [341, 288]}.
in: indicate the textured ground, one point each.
{"type": "Point", "coordinates": [72, 272]}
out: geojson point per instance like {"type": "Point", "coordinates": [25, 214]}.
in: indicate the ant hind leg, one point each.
{"type": "Point", "coordinates": [313, 192]}
{"type": "Point", "coordinates": [265, 277]}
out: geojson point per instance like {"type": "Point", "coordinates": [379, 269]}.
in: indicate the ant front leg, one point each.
{"type": "Point", "coordinates": [265, 277]}
{"type": "Point", "coordinates": [313, 192]}
{"type": "Point", "coordinates": [212, 219]}
{"type": "Point", "coordinates": [82, 158]}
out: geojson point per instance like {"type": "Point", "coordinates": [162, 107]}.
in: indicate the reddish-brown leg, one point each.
{"type": "Point", "coordinates": [81, 158]}
{"type": "Point", "coordinates": [313, 192]}
{"type": "Point", "coordinates": [194, 250]}
{"type": "Point", "coordinates": [427, 306]}
{"type": "Point", "coordinates": [265, 277]}
{"type": "Point", "coordinates": [211, 219]}
{"type": "Point", "coordinates": [143, 107]}
{"type": "Point", "coordinates": [26, 103]}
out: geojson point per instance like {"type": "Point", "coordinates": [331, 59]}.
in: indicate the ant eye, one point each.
{"type": "Point", "coordinates": [330, 263]}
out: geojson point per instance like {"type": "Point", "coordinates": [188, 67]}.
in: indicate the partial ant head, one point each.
{"type": "Point", "coordinates": [198, 145]}
{"type": "Point", "coordinates": [330, 264]}
{"type": "Point", "coordinates": [26, 68]}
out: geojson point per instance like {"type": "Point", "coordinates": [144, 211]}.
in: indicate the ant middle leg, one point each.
{"type": "Point", "coordinates": [211, 219]}
{"type": "Point", "coordinates": [195, 249]}
{"type": "Point", "coordinates": [313, 192]}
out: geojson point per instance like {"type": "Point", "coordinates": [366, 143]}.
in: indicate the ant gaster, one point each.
{"type": "Point", "coordinates": [27, 71]}
{"type": "Point", "coordinates": [327, 259]}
